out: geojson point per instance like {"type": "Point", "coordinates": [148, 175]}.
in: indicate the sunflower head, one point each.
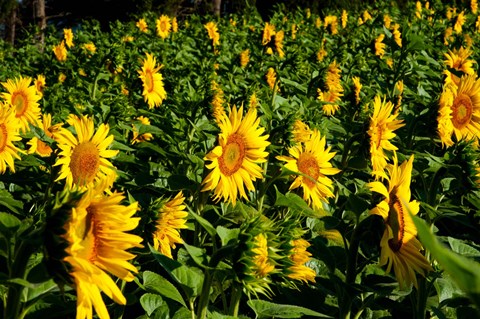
{"type": "Point", "coordinates": [213, 32]}
{"type": "Point", "coordinates": [153, 90]}
{"type": "Point", "coordinates": [163, 26]}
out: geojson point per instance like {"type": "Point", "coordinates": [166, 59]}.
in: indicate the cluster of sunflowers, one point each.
{"type": "Point", "coordinates": [219, 168]}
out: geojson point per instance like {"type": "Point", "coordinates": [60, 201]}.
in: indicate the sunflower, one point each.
{"type": "Point", "coordinates": [40, 147]}
{"type": "Point", "coordinates": [344, 19]}
{"type": "Point", "coordinates": [163, 26]}
{"type": "Point", "coordinates": [268, 33]}
{"type": "Point", "coordinates": [271, 78]}
{"type": "Point", "coordinates": [142, 137]}
{"type": "Point", "coordinates": [171, 218]}
{"type": "Point", "coordinates": [459, 23]}
{"type": "Point", "coordinates": [262, 264]}
{"type": "Point", "coordinates": [153, 90]}
{"type": "Point", "coordinates": [382, 125]}
{"type": "Point", "coordinates": [142, 25]}
{"type": "Point", "coordinates": [40, 84]}
{"type": "Point", "coordinates": [279, 36]}
{"type": "Point", "coordinates": [458, 60]}
{"type": "Point", "coordinates": [301, 132]}
{"type": "Point", "coordinates": [234, 163]}
{"type": "Point", "coordinates": [311, 160]}
{"type": "Point", "coordinates": [380, 46]}
{"type": "Point", "coordinates": [174, 25]}
{"type": "Point", "coordinates": [213, 33]}
{"type": "Point", "coordinates": [217, 102]}
{"type": "Point", "coordinates": [357, 88]}
{"type": "Point", "coordinates": [244, 58]}
{"type": "Point", "coordinates": [90, 47]}
{"type": "Point", "coordinates": [9, 126]}
{"type": "Point", "coordinates": [83, 158]}
{"type": "Point", "coordinates": [23, 98]}
{"type": "Point", "coordinates": [461, 105]}
{"type": "Point", "coordinates": [68, 35]}
{"type": "Point", "coordinates": [300, 256]}
{"type": "Point", "coordinates": [60, 52]}
{"type": "Point", "coordinates": [399, 247]}
{"type": "Point", "coordinates": [397, 35]}
{"type": "Point", "coordinates": [97, 239]}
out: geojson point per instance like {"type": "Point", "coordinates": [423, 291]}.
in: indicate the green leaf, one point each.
{"type": "Point", "coordinates": [296, 203]}
{"type": "Point", "coordinates": [150, 302]}
{"type": "Point", "coordinates": [203, 222]}
{"type": "Point", "coordinates": [119, 146]}
{"type": "Point", "coordinates": [198, 255]}
{"type": "Point", "coordinates": [226, 234]}
{"type": "Point", "coordinates": [9, 223]}
{"type": "Point", "coordinates": [7, 200]}
{"type": "Point", "coordinates": [463, 249]}
{"type": "Point", "coordinates": [156, 283]}
{"type": "Point", "coordinates": [39, 289]}
{"type": "Point", "coordinates": [465, 272]}
{"type": "Point", "coordinates": [266, 309]}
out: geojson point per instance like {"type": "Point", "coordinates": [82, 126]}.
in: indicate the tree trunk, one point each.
{"type": "Point", "coordinates": [217, 4]}
{"type": "Point", "coordinates": [11, 22]}
{"type": "Point", "coordinates": [42, 21]}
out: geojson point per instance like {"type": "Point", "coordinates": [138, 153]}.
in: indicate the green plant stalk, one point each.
{"type": "Point", "coordinates": [13, 307]}
{"type": "Point", "coordinates": [204, 296]}
{"type": "Point", "coordinates": [351, 274]}
{"type": "Point", "coordinates": [421, 302]}
{"type": "Point", "coordinates": [235, 300]}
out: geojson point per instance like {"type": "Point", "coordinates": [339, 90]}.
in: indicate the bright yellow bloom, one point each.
{"type": "Point", "coordinates": [380, 46]}
{"type": "Point", "coordinates": [399, 247]}
{"type": "Point", "coordinates": [9, 126]}
{"type": "Point", "coordinates": [271, 78]}
{"type": "Point", "coordinates": [213, 32]}
{"type": "Point", "coordinates": [318, 22]}
{"type": "Point", "coordinates": [268, 33]}
{"type": "Point", "coordinates": [464, 104]}
{"type": "Point", "coordinates": [418, 9]}
{"type": "Point", "coordinates": [68, 35]}
{"type": "Point", "coordinates": [97, 238]}
{"type": "Point", "coordinates": [294, 31]}
{"type": "Point", "coordinates": [217, 102]}
{"type": "Point", "coordinates": [322, 53]}
{"type": "Point", "coordinates": [366, 16]}
{"type": "Point", "coordinates": [174, 25]}
{"type": "Point", "coordinates": [311, 159]}
{"type": "Point", "coordinates": [459, 23]}
{"type": "Point", "coordinates": [301, 132]}
{"type": "Point", "coordinates": [234, 163]}
{"type": "Point", "coordinates": [163, 26]}
{"type": "Point", "coordinates": [387, 21]}
{"type": "Point", "coordinates": [300, 256]}
{"type": "Point", "coordinates": [171, 218]}
{"type": "Point", "coordinates": [474, 6]}
{"type": "Point", "coordinates": [334, 90]}
{"type": "Point", "coordinates": [331, 21]}
{"type": "Point", "coordinates": [142, 25]}
{"type": "Point", "coordinates": [244, 58]}
{"type": "Point", "coordinates": [90, 47]}
{"type": "Point", "coordinates": [397, 35]}
{"type": "Point", "coordinates": [253, 102]}
{"type": "Point", "coordinates": [60, 52]}
{"type": "Point", "coordinates": [279, 43]}
{"type": "Point", "coordinates": [448, 36]}
{"type": "Point", "coordinates": [262, 264]}
{"type": "Point", "coordinates": [458, 60]}
{"type": "Point", "coordinates": [444, 118]}
{"type": "Point", "coordinates": [153, 91]}
{"type": "Point", "coordinates": [357, 87]}
{"type": "Point", "coordinates": [381, 131]}
{"type": "Point", "coordinates": [23, 98]}
{"type": "Point", "coordinates": [40, 147]}
{"type": "Point", "coordinates": [450, 13]}
{"type": "Point", "coordinates": [40, 84]}
{"type": "Point", "coordinates": [84, 158]}
{"type": "Point", "coordinates": [137, 138]}
{"type": "Point", "coordinates": [344, 19]}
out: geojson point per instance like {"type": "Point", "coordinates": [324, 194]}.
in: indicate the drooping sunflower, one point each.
{"type": "Point", "coordinates": [312, 160]}
{"type": "Point", "coordinates": [153, 90]}
{"type": "Point", "coordinates": [300, 256]}
{"type": "Point", "coordinates": [234, 162]}
{"type": "Point", "coordinates": [171, 218]}
{"type": "Point", "coordinates": [163, 26]}
{"type": "Point", "coordinates": [40, 147]}
{"type": "Point", "coordinates": [97, 239]}
{"type": "Point", "coordinates": [382, 126]}
{"type": "Point", "coordinates": [399, 247]}
{"type": "Point", "coordinates": [9, 126]}
{"type": "Point", "coordinates": [262, 264]}
{"type": "Point", "coordinates": [23, 98]}
{"type": "Point", "coordinates": [213, 32]}
{"type": "Point", "coordinates": [60, 52]}
{"type": "Point", "coordinates": [84, 158]}
{"type": "Point", "coordinates": [461, 106]}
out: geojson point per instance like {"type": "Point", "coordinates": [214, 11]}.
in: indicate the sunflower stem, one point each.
{"type": "Point", "coordinates": [235, 300]}
{"type": "Point", "coordinates": [204, 296]}
{"type": "Point", "coordinates": [421, 302]}
{"type": "Point", "coordinates": [13, 307]}
{"type": "Point", "coordinates": [351, 273]}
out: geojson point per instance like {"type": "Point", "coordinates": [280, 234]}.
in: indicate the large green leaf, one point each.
{"type": "Point", "coordinates": [266, 309]}
{"type": "Point", "coordinates": [296, 203]}
{"type": "Point", "coordinates": [150, 302]}
{"type": "Point", "coordinates": [156, 283]}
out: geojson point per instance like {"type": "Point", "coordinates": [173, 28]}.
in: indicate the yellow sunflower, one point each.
{"type": "Point", "coordinates": [142, 137]}
{"type": "Point", "coordinates": [174, 25]}
{"type": "Point", "coordinates": [213, 33]}
{"type": "Point", "coordinates": [97, 242]}
{"type": "Point", "coordinates": [23, 98]}
{"type": "Point", "coordinates": [311, 160]}
{"type": "Point", "coordinates": [244, 58]}
{"type": "Point", "coordinates": [380, 46]}
{"type": "Point", "coordinates": [9, 126]}
{"type": "Point", "coordinates": [234, 163]}
{"type": "Point", "coordinates": [357, 88]}
{"type": "Point", "coordinates": [37, 145]}
{"type": "Point", "coordinates": [301, 132]}
{"type": "Point", "coordinates": [68, 35]}
{"type": "Point", "coordinates": [279, 43]}
{"type": "Point", "coordinates": [461, 18]}
{"type": "Point", "coordinates": [382, 126]}
{"type": "Point", "coordinates": [262, 264]}
{"type": "Point", "coordinates": [90, 47]}
{"type": "Point", "coordinates": [142, 25]}
{"type": "Point", "coordinates": [268, 33]}
{"type": "Point", "coordinates": [84, 157]}
{"type": "Point", "coordinates": [461, 105]}
{"type": "Point", "coordinates": [40, 84]}
{"type": "Point", "coordinates": [153, 90]}
{"type": "Point", "coordinates": [399, 247]}
{"type": "Point", "coordinates": [458, 60]}
{"type": "Point", "coordinates": [271, 78]}
{"type": "Point", "coordinates": [171, 218]}
{"type": "Point", "coordinates": [300, 256]}
{"type": "Point", "coordinates": [60, 52]}
{"type": "Point", "coordinates": [163, 26]}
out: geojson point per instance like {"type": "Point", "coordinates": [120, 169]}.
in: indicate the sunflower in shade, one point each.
{"type": "Point", "coordinates": [153, 90]}
{"type": "Point", "coordinates": [234, 163]}
{"type": "Point", "coordinates": [9, 126]}
{"type": "Point", "coordinates": [400, 249]}
{"type": "Point", "coordinates": [40, 147]}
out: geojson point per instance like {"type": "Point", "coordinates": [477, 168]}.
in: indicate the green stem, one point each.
{"type": "Point", "coordinates": [432, 194]}
{"type": "Point", "coordinates": [421, 302]}
{"type": "Point", "coordinates": [14, 305]}
{"type": "Point", "coordinates": [204, 296]}
{"type": "Point", "coordinates": [235, 300]}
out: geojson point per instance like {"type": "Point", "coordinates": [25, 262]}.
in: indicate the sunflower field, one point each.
{"type": "Point", "coordinates": [314, 165]}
